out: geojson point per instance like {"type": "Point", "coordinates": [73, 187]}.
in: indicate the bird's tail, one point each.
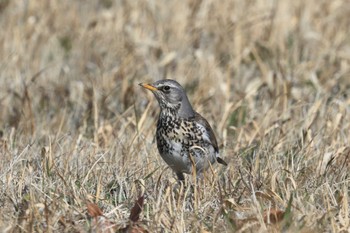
{"type": "Point", "coordinates": [221, 161]}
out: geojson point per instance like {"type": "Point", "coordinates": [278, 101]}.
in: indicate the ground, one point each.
{"type": "Point", "coordinates": [77, 144]}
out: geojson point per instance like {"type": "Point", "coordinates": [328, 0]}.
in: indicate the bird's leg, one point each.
{"type": "Point", "coordinates": [180, 177]}
{"type": "Point", "coordinates": [180, 186]}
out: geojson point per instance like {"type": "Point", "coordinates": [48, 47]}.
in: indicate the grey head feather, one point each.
{"type": "Point", "coordinates": [171, 96]}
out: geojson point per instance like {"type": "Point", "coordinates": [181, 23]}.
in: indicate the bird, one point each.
{"type": "Point", "coordinates": [185, 139]}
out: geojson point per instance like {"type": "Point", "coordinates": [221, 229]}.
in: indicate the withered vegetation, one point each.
{"type": "Point", "coordinates": [77, 133]}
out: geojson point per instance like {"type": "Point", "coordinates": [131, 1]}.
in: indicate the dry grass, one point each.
{"type": "Point", "coordinates": [77, 132]}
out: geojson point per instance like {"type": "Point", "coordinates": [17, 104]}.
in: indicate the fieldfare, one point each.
{"type": "Point", "coordinates": [184, 138]}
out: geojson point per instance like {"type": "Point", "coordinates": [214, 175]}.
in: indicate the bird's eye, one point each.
{"type": "Point", "coordinates": [166, 88]}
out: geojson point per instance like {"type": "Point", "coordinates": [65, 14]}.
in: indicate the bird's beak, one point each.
{"type": "Point", "coordinates": [148, 86]}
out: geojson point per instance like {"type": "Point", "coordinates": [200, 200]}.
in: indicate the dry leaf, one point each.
{"type": "Point", "coordinates": [136, 209]}
{"type": "Point", "coordinates": [93, 210]}
{"type": "Point", "coordinates": [137, 229]}
{"type": "Point", "coordinates": [273, 216]}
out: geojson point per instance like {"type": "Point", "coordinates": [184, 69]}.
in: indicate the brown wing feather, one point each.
{"type": "Point", "coordinates": [198, 118]}
{"type": "Point", "coordinates": [201, 120]}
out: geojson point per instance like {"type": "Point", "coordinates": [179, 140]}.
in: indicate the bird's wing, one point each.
{"type": "Point", "coordinates": [202, 121]}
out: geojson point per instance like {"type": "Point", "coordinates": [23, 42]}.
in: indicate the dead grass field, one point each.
{"type": "Point", "coordinates": [77, 132]}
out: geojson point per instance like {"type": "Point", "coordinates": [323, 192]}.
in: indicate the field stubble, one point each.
{"type": "Point", "coordinates": [77, 132]}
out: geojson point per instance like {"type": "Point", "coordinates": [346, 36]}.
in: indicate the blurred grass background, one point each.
{"type": "Point", "coordinates": [272, 78]}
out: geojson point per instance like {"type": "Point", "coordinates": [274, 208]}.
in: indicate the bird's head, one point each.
{"type": "Point", "coordinates": [171, 97]}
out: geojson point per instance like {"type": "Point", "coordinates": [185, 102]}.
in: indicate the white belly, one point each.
{"type": "Point", "coordinates": [180, 161]}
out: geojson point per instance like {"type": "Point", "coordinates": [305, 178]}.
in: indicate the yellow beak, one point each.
{"type": "Point", "coordinates": [148, 86]}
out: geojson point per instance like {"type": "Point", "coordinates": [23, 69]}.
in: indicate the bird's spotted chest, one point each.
{"type": "Point", "coordinates": [170, 139]}
{"type": "Point", "coordinates": [175, 138]}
